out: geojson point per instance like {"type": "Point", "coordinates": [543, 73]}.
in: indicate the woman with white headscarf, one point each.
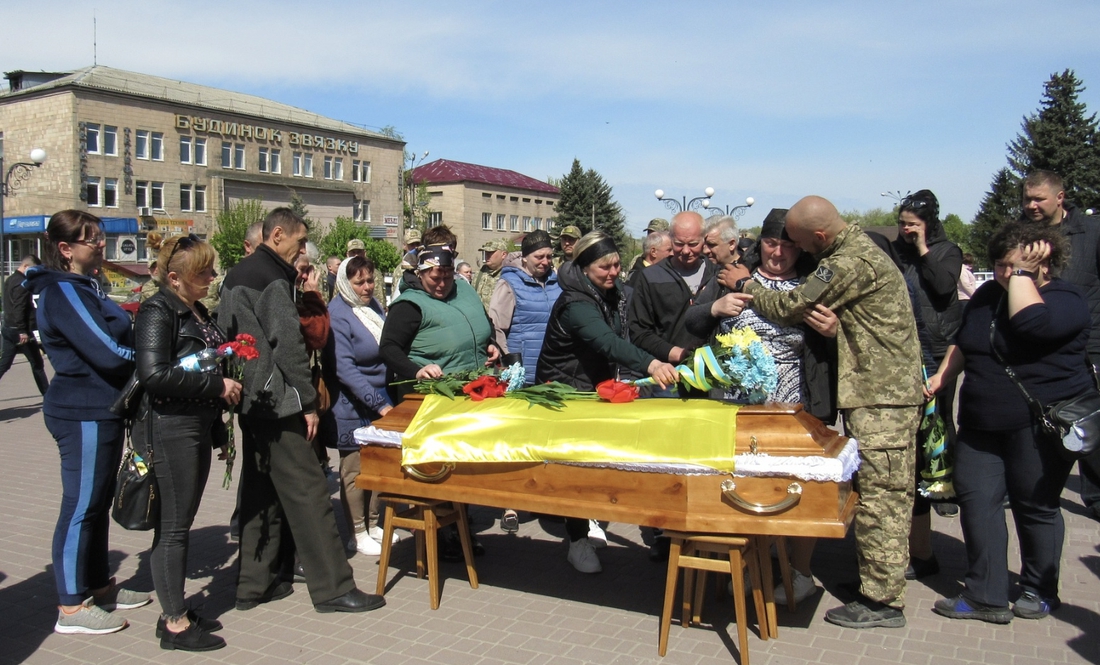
{"type": "Point", "coordinates": [356, 377]}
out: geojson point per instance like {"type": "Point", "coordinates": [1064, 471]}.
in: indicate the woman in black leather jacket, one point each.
{"type": "Point", "coordinates": [179, 423]}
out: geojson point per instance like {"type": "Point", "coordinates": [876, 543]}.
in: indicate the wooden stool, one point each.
{"type": "Point", "coordinates": [763, 550]}
{"type": "Point", "coordinates": [740, 553]}
{"type": "Point", "coordinates": [424, 517]}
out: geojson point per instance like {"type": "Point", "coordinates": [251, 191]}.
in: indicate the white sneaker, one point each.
{"type": "Point", "coordinates": [377, 533]}
{"type": "Point", "coordinates": [583, 556]}
{"type": "Point", "coordinates": [803, 586]}
{"type": "Point", "coordinates": [596, 535]}
{"type": "Point", "coordinates": [364, 544]}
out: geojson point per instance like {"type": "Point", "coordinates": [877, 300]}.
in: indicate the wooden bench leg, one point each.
{"type": "Point", "coordinates": [736, 567]}
{"type": "Point", "coordinates": [431, 533]}
{"type": "Point", "coordinates": [387, 543]}
{"type": "Point", "coordinates": [785, 572]}
{"type": "Point", "coordinates": [670, 594]}
{"type": "Point", "coordinates": [421, 551]}
{"type": "Point", "coordinates": [467, 543]}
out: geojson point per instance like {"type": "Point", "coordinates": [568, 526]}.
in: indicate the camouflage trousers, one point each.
{"type": "Point", "coordinates": [887, 450]}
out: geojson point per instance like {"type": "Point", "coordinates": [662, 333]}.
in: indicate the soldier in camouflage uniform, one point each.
{"type": "Point", "coordinates": [638, 262]}
{"type": "Point", "coordinates": [878, 389]}
{"type": "Point", "coordinates": [486, 279]}
{"type": "Point", "coordinates": [408, 260]}
{"type": "Point", "coordinates": [567, 239]}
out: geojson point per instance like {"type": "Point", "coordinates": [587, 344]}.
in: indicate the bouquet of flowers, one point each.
{"type": "Point", "coordinates": [235, 354]}
{"type": "Point", "coordinates": [739, 359]}
{"type": "Point", "coordinates": [481, 384]}
{"type": "Point", "coordinates": [936, 458]}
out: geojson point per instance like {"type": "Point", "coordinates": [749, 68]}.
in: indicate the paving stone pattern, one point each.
{"type": "Point", "coordinates": [532, 608]}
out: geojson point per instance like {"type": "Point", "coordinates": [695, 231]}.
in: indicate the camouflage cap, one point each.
{"type": "Point", "coordinates": [657, 224]}
{"type": "Point", "coordinates": [411, 236]}
{"type": "Point", "coordinates": [495, 246]}
{"type": "Point", "coordinates": [355, 243]}
{"type": "Point", "coordinates": [571, 231]}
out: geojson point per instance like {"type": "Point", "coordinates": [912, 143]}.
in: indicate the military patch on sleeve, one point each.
{"type": "Point", "coordinates": [816, 285]}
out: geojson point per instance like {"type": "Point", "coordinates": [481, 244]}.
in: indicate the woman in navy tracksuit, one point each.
{"type": "Point", "coordinates": [89, 341]}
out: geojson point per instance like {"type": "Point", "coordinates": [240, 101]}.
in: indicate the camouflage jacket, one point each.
{"type": "Point", "coordinates": [484, 282]}
{"type": "Point", "coordinates": [877, 349]}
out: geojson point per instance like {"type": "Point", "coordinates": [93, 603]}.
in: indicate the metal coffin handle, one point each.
{"type": "Point", "coordinates": [794, 495]}
{"type": "Point", "coordinates": [436, 477]}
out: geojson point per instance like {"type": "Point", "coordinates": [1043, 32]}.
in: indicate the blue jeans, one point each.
{"type": "Point", "coordinates": [90, 454]}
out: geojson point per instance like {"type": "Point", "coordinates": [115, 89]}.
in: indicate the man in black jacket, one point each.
{"type": "Point", "coordinates": [19, 325]}
{"type": "Point", "coordinates": [1044, 201]}
{"type": "Point", "coordinates": [664, 291]}
{"type": "Point", "coordinates": [283, 488]}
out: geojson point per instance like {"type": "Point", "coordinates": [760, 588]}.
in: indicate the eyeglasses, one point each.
{"type": "Point", "coordinates": [97, 240]}
{"type": "Point", "coordinates": [184, 243]}
{"type": "Point", "coordinates": [913, 204]}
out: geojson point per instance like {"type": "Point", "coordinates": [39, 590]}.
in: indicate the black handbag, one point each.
{"type": "Point", "coordinates": [1072, 424]}
{"type": "Point", "coordinates": [136, 506]}
{"type": "Point", "coordinates": [129, 399]}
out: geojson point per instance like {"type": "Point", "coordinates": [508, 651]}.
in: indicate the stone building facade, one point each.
{"type": "Point", "coordinates": [482, 203]}
{"type": "Point", "coordinates": [145, 152]}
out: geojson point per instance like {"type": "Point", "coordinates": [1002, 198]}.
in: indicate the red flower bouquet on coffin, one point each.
{"type": "Point", "coordinates": [235, 354]}
{"type": "Point", "coordinates": [485, 387]}
{"type": "Point", "coordinates": [616, 392]}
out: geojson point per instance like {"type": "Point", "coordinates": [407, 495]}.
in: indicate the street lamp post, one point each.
{"type": "Point", "coordinates": [684, 204]}
{"type": "Point", "coordinates": [734, 212]}
{"type": "Point", "coordinates": [12, 178]}
{"type": "Point", "coordinates": [896, 195]}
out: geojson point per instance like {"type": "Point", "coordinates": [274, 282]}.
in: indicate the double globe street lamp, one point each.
{"type": "Point", "coordinates": [12, 178]}
{"type": "Point", "coordinates": [734, 212]}
{"type": "Point", "coordinates": [703, 202]}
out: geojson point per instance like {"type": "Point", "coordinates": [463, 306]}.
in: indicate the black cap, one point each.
{"type": "Point", "coordinates": [536, 240]}
{"type": "Point", "coordinates": [775, 224]}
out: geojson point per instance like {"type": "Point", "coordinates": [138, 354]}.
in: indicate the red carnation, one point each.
{"type": "Point", "coordinates": [616, 392]}
{"type": "Point", "coordinates": [245, 338]}
{"type": "Point", "coordinates": [484, 387]}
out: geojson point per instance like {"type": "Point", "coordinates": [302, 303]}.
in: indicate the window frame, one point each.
{"type": "Point", "coordinates": [200, 198]}
{"type": "Point", "coordinates": [486, 221]}
{"type": "Point", "coordinates": [200, 151]}
{"type": "Point", "coordinates": [93, 188]}
{"type": "Point", "coordinates": [141, 144]}
{"type": "Point", "coordinates": [156, 189]}
{"type": "Point", "coordinates": [156, 146]}
{"type": "Point", "coordinates": [110, 185]}
{"type": "Point", "coordinates": [92, 130]}
{"type": "Point", "coordinates": [189, 142]}
{"type": "Point", "coordinates": [186, 202]}
{"type": "Point", "coordinates": [141, 194]}
{"type": "Point", "coordinates": [110, 136]}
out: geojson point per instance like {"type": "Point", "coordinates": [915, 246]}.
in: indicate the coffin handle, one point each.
{"type": "Point", "coordinates": [794, 495]}
{"type": "Point", "coordinates": [417, 474]}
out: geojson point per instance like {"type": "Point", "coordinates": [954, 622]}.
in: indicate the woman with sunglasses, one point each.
{"type": "Point", "coordinates": [179, 422]}
{"type": "Point", "coordinates": [89, 341]}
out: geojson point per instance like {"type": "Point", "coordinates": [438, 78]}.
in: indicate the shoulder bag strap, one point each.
{"type": "Point", "coordinates": [1036, 407]}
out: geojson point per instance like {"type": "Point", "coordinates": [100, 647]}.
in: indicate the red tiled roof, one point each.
{"type": "Point", "coordinates": [444, 171]}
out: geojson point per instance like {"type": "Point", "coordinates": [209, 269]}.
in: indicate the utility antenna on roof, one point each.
{"type": "Point", "coordinates": [95, 48]}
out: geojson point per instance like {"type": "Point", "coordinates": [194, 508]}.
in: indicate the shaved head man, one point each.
{"type": "Point", "coordinates": [878, 390]}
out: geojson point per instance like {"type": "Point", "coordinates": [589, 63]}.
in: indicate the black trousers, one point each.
{"type": "Point", "coordinates": [282, 486]}
{"type": "Point", "coordinates": [30, 350]}
{"type": "Point", "coordinates": [988, 464]}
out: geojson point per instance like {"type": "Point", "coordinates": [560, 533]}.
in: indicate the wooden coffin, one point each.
{"type": "Point", "coordinates": [694, 503]}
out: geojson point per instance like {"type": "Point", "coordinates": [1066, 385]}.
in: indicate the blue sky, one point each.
{"type": "Point", "coordinates": [771, 100]}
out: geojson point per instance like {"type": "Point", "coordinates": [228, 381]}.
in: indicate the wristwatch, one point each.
{"type": "Point", "coordinates": [1030, 274]}
{"type": "Point", "coordinates": [739, 285]}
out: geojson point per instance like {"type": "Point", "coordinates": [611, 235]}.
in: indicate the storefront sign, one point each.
{"type": "Point", "coordinates": [25, 224]}
{"type": "Point", "coordinates": [241, 130]}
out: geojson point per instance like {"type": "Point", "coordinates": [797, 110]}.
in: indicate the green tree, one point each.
{"type": "Point", "coordinates": [873, 217]}
{"type": "Point", "coordinates": [1062, 138]}
{"type": "Point", "coordinates": [585, 202]}
{"type": "Point", "coordinates": [418, 215]}
{"type": "Point", "coordinates": [957, 231]}
{"type": "Point", "coordinates": [233, 223]}
{"type": "Point", "coordinates": [335, 242]}
{"type": "Point", "coordinates": [1000, 204]}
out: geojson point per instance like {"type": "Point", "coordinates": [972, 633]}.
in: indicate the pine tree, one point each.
{"type": "Point", "coordinates": [585, 201]}
{"type": "Point", "coordinates": [1062, 138]}
{"type": "Point", "coordinates": [1001, 204]}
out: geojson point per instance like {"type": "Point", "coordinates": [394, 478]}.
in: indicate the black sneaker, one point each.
{"type": "Point", "coordinates": [866, 613]}
{"type": "Point", "coordinates": [191, 639]}
{"type": "Point", "coordinates": [961, 608]}
{"type": "Point", "coordinates": [207, 625]}
{"type": "Point", "coordinates": [1030, 606]}
{"type": "Point", "coordinates": [948, 510]}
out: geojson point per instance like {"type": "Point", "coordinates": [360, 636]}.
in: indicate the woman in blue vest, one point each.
{"type": "Point", "coordinates": [519, 310]}
{"type": "Point", "coordinates": [90, 343]}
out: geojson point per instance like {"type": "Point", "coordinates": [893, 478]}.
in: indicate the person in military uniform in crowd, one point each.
{"type": "Point", "coordinates": [486, 279]}
{"type": "Point", "coordinates": [567, 239]}
{"type": "Point", "coordinates": [637, 264]}
{"type": "Point", "coordinates": [408, 260]}
{"type": "Point", "coordinates": [878, 390]}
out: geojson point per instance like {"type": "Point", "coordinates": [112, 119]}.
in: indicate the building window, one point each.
{"type": "Point", "coordinates": [110, 192]}
{"type": "Point", "coordinates": [513, 223]}
{"type": "Point", "coordinates": [200, 152]}
{"type": "Point", "coordinates": [227, 155]}
{"type": "Point", "coordinates": [275, 163]}
{"type": "Point", "coordinates": [526, 224]}
{"type": "Point", "coordinates": [486, 195]}
{"type": "Point", "coordinates": [360, 170]}
{"type": "Point", "coordinates": [307, 165]}
{"type": "Point", "coordinates": [514, 199]}
{"type": "Point", "coordinates": [110, 140]}
{"type": "Point", "coordinates": [328, 168]}
{"type": "Point", "coordinates": [238, 156]}
{"type": "Point", "coordinates": [156, 146]}
{"type": "Point", "coordinates": [200, 198]}
{"type": "Point", "coordinates": [338, 168]}
{"type": "Point", "coordinates": [186, 151]}
{"type": "Point", "coordinates": [500, 222]}
{"type": "Point", "coordinates": [185, 198]}
{"type": "Point", "coordinates": [91, 189]}
{"type": "Point", "coordinates": [486, 221]}
{"type": "Point", "coordinates": [551, 222]}
{"type": "Point", "coordinates": [435, 218]}
{"type": "Point", "coordinates": [91, 139]}
{"type": "Point", "coordinates": [156, 196]}
{"type": "Point", "coordinates": [526, 200]}
{"type": "Point", "coordinates": [537, 223]}
{"type": "Point", "coordinates": [141, 144]}
{"type": "Point", "coordinates": [261, 162]}
{"type": "Point", "coordinates": [500, 197]}
{"type": "Point", "coordinates": [362, 211]}
{"type": "Point", "coordinates": [141, 194]}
